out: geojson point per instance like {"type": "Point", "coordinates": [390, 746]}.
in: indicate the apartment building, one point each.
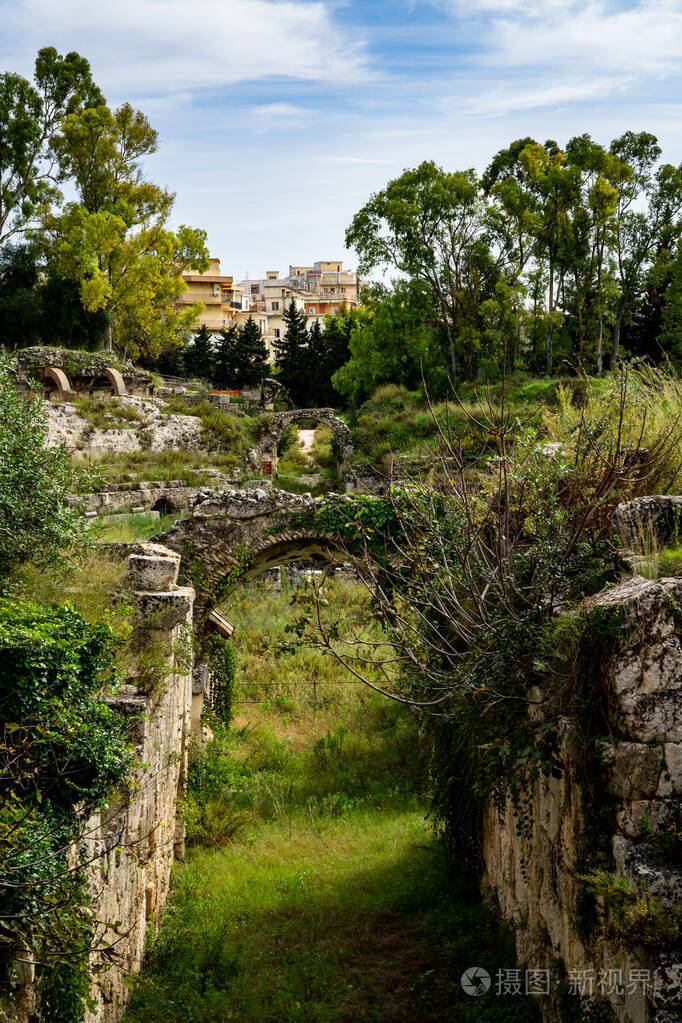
{"type": "Point", "coordinates": [323, 289]}
{"type": "Point", "coordinates": [225, 302]}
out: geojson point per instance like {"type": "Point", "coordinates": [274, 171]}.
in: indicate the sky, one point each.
{"type": "Point", "coordinates": [279, 118]}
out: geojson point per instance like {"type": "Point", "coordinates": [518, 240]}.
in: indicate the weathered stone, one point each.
{"type": "Point", "coordinates": [635, 770]}
{"type": "Point", "coordinates": [671, 776]}
{"type": "Point", "coordinates": [163, 611]}
{"type": "Point", "coordinates": [152, 567]}
{"type": "Point", "coordinates": [535, 876]}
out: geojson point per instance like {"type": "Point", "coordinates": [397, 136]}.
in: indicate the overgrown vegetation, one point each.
{"type": "Point", "coordinates": [36, 520]}
{"type": "Point", "coordinates": [313, 888]}
{"type": "Point", "coordinates": [62, 748]}
{"type": "Point", "coordinates": [472, 563]}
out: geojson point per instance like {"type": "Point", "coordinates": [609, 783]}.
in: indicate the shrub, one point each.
{"type": "Point", "coordinates": [36, 519]}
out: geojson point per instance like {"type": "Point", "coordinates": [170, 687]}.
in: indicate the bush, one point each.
{"type": "Point", "coordinates": [36, 520]}
{"type": "Point", "coordinates": [62, 748]}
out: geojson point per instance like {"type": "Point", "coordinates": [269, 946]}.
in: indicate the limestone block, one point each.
{"type": "Point", "coordinates": [153, 567]}
{"type": "Point", "coordinates": [163, 611]}
{"type": "Point", "coordinates": [671, 776]}
{"type": "Point", "coordinates": [630, 819]}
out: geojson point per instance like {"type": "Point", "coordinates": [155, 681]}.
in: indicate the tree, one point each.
{"type": "Point", "coordinates": [253, 352]}
{"type": "Point", "coordinates": [392, 337]}
{"type": "Point", "coordinates": [226, 361]}
{"type": "Point", "coordinates": [115, 241]}
{"type": "Point", "coordinates": [38, 306]}
{"type": "Point", "coordinates": [293, 357]}
{"type": "Point", "coordinates": [199, 356]}
{"type": "Point", "coordinates": [647, 220]}
{"type": "Point", "coordinates": [20, 318]}
{"type": "Point", "coordinates": [671, 334]}
{"type": "Point", "coordinates": [36, 519]}
{"type": "Point", "coordinates": [241, 356]}
{"type": "Point", "coordinates": [431, 226]}
{"type": "Point", "coordinates": [30, 119]}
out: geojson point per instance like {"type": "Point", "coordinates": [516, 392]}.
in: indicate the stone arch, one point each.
{"type": "Point", "coordinates": [163, 506]}
{"type": "Point", "coordinates": [327, 416]}
{"type": "Point", "coordinates": [290, 545]}
{"type": "Point", "coordinates": [57, 384]}
{"type": "Point", "coordinates": [117, 382]}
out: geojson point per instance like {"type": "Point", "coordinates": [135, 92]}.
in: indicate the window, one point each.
{"type": "Point", "coordinates": [311, 308]}
{"type": "Point", "coordinates": [275, 307]}
{"type": "Point", "coordinates": [277, 332]}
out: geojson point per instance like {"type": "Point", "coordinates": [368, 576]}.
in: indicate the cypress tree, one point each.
{"type": "Point", "coordinates": [253, 354]}
{"type": "Point", "coordinates": [199, 356]}
{"type": "Point", "coordinates": [295, 371]}
{"type": "Point", "coordinates": [226, 373]}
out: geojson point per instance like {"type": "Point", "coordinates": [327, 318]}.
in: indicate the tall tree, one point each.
{"type": "Point", "coordinates": [432, 227]}
{"type": "Point", "coordinates": [115, 240]}
{"type": "Point", "coordinates": [647, 220]}
{"type": "Point", "coordinates": [293, 357]}
{"type": "Point", "coordinates": [20, 316]}
{"type": "Point", "coordinates": [393, 340]}
{"type": "Point", "coordinates": [31, 116]}
{"type": "Point", "coordinates": [226, 367]}
{"type": "Point", "coordinates": [253, 353]}
{"type": "Point", "coordinates": [199, 356]}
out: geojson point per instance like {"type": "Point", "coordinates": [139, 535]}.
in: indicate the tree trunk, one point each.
{"type": "Point", "coordinates": [616, 340]}
{"type": "Point", "coordinates": [110, 340]}
{"type": "Point", "coordinates": [581, 339]}
{"type": "Point", "coordinates": [600, 341]}
{"type": "Point", "coordinates": [550, 324]}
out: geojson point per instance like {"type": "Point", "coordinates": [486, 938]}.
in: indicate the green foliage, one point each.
{"type": "Point", "coordinates": [199, 356]}
{"type": "Point", "coordinates": [62, 749]}
{"type": "Point", "coordinates": [36, 520]}
{"type": "Point", "coordinates": [293, 916]}
{"type": "Point", "coordinates": [115, 241]}
{"type": "Point", "coordinates": [537, 262]}
{"type": "Point", "coordinates": [292, 362]}
{"type": "Point", "coordinates": [39, 307]}
{"type": "Point", "coordinates": [394, 340]}
{"type": "Point", "coordinates": [635, 920]}
{"type": "Point", "coordinates": [31, 117]}
{"type": "Point", "coordinates": [222, 664]}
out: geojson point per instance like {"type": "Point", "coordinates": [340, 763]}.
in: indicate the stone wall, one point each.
{"type": "Point", "coordinates": [66, 372]}
{"type": "Point", "coordinates": [536, 878]}
{"type": "Point", "coordinates": [149, 428]}
{"type": "Point", "coordinates": [147, 495]}
{"type": "Point", "coordinates": [134, 841]}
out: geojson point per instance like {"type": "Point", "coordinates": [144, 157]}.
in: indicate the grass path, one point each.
{"type": "Point", "coordinates": [314, 889]}
{"type": "Point", "coordinates": [339, 908]}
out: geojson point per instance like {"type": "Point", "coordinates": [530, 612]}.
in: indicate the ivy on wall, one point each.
{"type": "Point", "coordinates": [62, 749]}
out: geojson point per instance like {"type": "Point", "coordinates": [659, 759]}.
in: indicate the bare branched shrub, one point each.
{"type": "Point", "coordinates": [475, 566]}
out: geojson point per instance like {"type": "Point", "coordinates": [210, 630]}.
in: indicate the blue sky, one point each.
{"type": "Point", "coordinates": [278, 118]}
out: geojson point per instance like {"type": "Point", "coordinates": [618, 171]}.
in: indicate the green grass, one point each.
{"type": "Point", "coordinates": [184, 464]}
{"type": "Point", "coordinates": [330, 899]}
{"type": "Point", "coordinates": [130, 528]}
{"type": "Point", "coordinates": [398, 421]}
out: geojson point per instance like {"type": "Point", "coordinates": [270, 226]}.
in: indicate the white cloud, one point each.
{"type": "Point", "coordinates": [174, 46]}
{"type": "Point", "coordinates": [497, 100]}
{"type": "Point", "coordinates": [646, 37]}
{"type": "Point", "coordinates": [277, 117]}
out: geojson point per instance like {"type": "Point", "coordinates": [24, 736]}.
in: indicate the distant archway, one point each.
{"type": "Point", "coordinates": [279, 421]}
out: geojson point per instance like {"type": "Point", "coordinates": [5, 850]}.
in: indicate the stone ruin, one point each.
{"type": "Point", "coordinates": [64, 374]}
